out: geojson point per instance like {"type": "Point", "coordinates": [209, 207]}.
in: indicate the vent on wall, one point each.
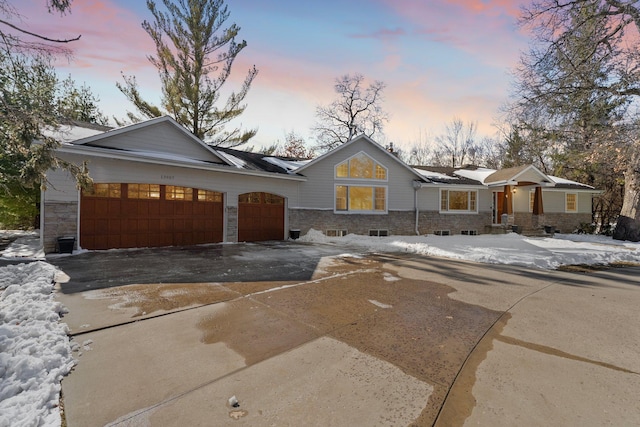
{"type": "Point", "coordinates": [469, 232]}
{"type": "Point", "coordinates": [442, 233]}
{"type": "Point", "coordinates": [335, 233]}
{"type": "Point", "coordinates": [379, 233]}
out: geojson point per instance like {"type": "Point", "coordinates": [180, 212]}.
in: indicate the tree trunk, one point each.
{"type": "Point", "coordinates": [628, 226]}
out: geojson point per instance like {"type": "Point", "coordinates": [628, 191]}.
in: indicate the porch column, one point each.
{"type": "Point", "coordinates": [538, 209]}
{"type": "Point", "coordinates": [507, 197]}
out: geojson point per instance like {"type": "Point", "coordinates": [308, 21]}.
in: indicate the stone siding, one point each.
{"type": "Point", "coordinates": [563, 222]}
{"type": "Point", "coordinates": [60, 219]}
{"type": "Point", "coordinates": [397, 223]}
{"type": "Point", "coordinates": [432, 221]}
{"type": "Point", "coordinates": [232, 224]}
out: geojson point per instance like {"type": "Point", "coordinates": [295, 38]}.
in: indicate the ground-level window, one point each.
{"type": "Point", "coordinates": [571, 202]}
{"type": "Point", "coordinates": [353, 198]}
{"type": "Point", "coordinates": [458, 201]}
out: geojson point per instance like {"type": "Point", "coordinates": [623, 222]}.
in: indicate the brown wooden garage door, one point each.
{"type": "Point", "coordinates": [149, 215]}
{"type": "Point", "coordinates": [260, 217]}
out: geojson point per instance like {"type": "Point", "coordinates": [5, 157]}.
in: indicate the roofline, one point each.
{"type": "Point", "coordinates": [124, 155]}
{"type": "Point", "coordinates": [143, 124]}
{"type": "Point", "coordinates": [372, 142]}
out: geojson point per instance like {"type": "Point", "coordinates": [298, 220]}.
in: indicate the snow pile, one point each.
{"type": "Point", "coordinates": [514, 249]}
{"type": "Point", "coordinates": [34, 348]}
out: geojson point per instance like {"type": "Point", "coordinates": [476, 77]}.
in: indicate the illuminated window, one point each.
{"type": "Point", "coordinates": [571, 202]}
{"type": "Point", "coordinates": [143, 191]}
{"type": "Point", "coordinates": [361, 166]}
{"type": "Point", "coordinates": [272, 199]}
{"type": "Point", "coordinates": [532, 198]}
{"type": "Point", "coordinates": [209, 196]}
{"type": "Point", "coordinates": [458, 201]}
{"type": "Point", "coordinates": [104, 190]}
{"type": "Point", "coordinates": [253, 198]}
{"type": "Point", "coordinates": [353, 198]}
{"type": "Point", "coordinates": [178, 193]}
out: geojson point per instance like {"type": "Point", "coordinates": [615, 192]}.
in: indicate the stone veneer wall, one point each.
{"type": "Point", "coordinates": [398, 223]}
{"type": "Point", "coordinates": [432, 221]}
{"type": "Point", "coordinates": [232, 224]}
{"type": "Point", "coordinates": [563, 222]}
{"type": "Point", "coordinates": [60, 219]}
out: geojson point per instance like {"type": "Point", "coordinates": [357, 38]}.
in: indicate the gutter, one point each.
{"type": "Point", "coordinates": [416, 186]}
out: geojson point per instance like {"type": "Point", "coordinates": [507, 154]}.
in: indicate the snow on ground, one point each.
{"type": "Point", "coordinates": [34, 348]}
{"type": "Point", "coordinates": [537, 252]}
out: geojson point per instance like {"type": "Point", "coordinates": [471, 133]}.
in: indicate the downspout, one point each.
{"type": "Point", "coordinates": [416, 186]}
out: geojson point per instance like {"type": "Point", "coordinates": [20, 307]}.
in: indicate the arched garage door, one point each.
{"type": "Point", "coordinates": [149, 215]}
{"type": "Point", "coordinates": [260, 217]}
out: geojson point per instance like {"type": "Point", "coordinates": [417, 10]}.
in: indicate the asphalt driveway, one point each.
{"type": "Point", "coordinates": [303, 334]}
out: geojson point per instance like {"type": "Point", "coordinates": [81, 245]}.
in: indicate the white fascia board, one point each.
{"type": "Point", "coordinates": [93, 152]}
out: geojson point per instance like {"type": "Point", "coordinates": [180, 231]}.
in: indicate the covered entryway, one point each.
{"type": "Point", "coordinates": [149, 215]}
{"type": "Point", "coordinates": [260, 217]}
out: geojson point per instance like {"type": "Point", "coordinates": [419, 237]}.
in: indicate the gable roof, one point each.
{"type": "Point", "coordinates": [105, 140]}
{"type": "Point", "coordinates": [511, 176]}
{"type": "Point", "coordinates": [361, 137]}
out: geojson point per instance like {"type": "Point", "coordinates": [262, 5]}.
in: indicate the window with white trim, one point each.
{"type": "Point", "coordinates": [361, 199]}
{"type": "Point", "coordinates": [361, 166]}
{"type": "Point", "coordinates": [571, 202]}
{"type": "Point", "coordinates": [458, 201]}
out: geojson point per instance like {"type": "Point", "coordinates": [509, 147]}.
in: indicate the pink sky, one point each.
{"type": "Point", "coordinates": [440, 59]}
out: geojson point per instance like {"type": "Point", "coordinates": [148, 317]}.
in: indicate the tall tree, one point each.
{"type": "Point", "coordinates": [194, 56]}
{"type": "Point", "coordinates": [357, 110]}
{"type": "Point", "coordinates": [457, 146]}
{"type": "Point", "coordinates": [577, 81]}
{"type": "Point", "coordinates": [79, 103]}
{"type": "Point", "coordinates": [27, 93]}
{"type": "Point", "coordinates": [294, 146]}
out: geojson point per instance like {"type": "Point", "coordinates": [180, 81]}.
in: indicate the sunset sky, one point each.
{"type": "Point", "coordinates": [440, 59]}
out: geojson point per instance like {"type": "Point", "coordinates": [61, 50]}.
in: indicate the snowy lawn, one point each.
{"type": "Point", "coordinates": [539, 252]}
{"type": "Point", "coordinates": [34, 348]}
{"type": "Point", "coordinates": [35, 352]}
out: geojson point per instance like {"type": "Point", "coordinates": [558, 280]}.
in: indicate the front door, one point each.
{"type": "Point", "coordinates": [498, 206]}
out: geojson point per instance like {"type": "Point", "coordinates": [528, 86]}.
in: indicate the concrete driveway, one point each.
{"type": "Point", "coordinates": [303, 334]}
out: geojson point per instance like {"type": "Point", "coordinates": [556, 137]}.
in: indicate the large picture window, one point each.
{"type": "Point", "coordinates": [353, 198]}
{"type": "Point", "coordinates": [458, 201]}
{"type": "Point", "coordinates": [361, 166]}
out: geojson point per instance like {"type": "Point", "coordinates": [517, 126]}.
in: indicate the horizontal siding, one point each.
{"type": "Point", "coordinates": [318, 191]}
{"type": "Point", "coordinates": [161, 138]}
{"type": "Point", "coordinates": [123, 171]}
{"type": "Point", "coordinates": [61, 187]}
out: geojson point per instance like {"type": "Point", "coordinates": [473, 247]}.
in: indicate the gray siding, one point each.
{"type": "Point", "coordinates": [318, 191]}
{"type": "Point", "coordinates": [162, 138]}
{"type": "Point", "coordinates": [123, 171]}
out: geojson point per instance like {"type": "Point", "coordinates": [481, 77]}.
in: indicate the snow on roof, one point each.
{"type": "Point", "coordinates": [232, 159]}
{"type": "Point", "coordinates": [563, 181]}
{"type": "Point", "coordinates": [288, 165]}
{"type": "Point", "coordinates": [69, 133]}
{"type": "Point", "coordinates": [434, 175]}
{"type": "Point", "coordinates": [479, 174]}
